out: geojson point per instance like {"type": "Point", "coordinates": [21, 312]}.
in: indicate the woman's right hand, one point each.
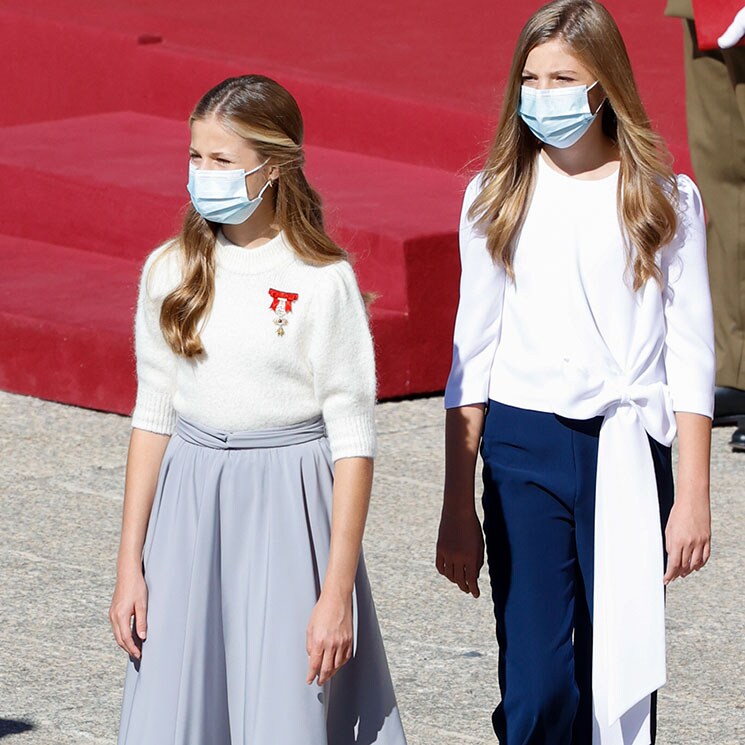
{"type": "Point", "coordinates": [460, 548]}
{"type": "Point", "coordinates": [130, 599]}
{"type": "Point", "coordinates": [460, 543]}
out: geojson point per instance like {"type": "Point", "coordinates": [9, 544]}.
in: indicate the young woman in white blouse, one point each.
{"type": "Point", "coordinates": [239, 578]}
{"type": "Point", "coordinates": [583, 341]}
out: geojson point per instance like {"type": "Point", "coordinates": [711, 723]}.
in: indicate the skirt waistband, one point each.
{"type": "Point", "coordinates": [293, 434]}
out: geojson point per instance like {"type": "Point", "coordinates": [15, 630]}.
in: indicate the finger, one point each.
{"type": "Point", "coordinates": [697, 559]}
{"type": "Point", "coordinates": [115, 631]}
{"type": "Point", "coordinates": [314, 664]}
{"type": "Point", "coordinates": [112, 621]}
{"type": "Point", "coordinates": [685, 561]}
{"type": "Point", "coordinates": [472, 580]}
{"type": "Point", "coordinates": [440, 564]}
{"type": "Point", "coordinates": [120, 633]}
{"type": "Point", "coordinates": [460, 579]}
{"type": "Point", "coordinates": [450, 570]}
{"type": "Point", "coordinates": [141, 619]}
{"type": "Point", "coordinates": [327, 666]}
{"type": "Point", "coordinates": [707, 552]}
{"type": "Point", "coordinates": [131, 640]}
{"type": "Point", "coordinates": [343, 653]}
{"type": "Point", "coordinates": [672, 573]}
{"type": "Point", "coordinates": [673, 567]}
{"type": "Point", "coordinates": [125, 629]}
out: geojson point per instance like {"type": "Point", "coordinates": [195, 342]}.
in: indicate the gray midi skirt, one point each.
{"type": "Point", "coordinates": [234, 557]}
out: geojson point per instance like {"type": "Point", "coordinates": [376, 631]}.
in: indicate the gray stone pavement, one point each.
{"type": "Point", "coordinates": [61, 476]}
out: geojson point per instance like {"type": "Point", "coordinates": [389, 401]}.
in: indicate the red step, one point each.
{"type": "Point", "coordinates": [114, 185]}
{"type": "Point", "coordinates": [66, 327]}
{"type": "Point", "coordinates": [399, 83]}
{"type": "Point", "coordinates": [66, 320]}
{"type": "Point", "coordinates": [82, 63]}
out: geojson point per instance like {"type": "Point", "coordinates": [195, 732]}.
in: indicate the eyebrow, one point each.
{"type": "Point", "coordinates": [553, 72]}
{"type": "Point", "coordinates": [217, 154]}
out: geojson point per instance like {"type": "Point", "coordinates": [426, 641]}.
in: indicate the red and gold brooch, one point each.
{"type": "Point", "coordinates": [281, 305]}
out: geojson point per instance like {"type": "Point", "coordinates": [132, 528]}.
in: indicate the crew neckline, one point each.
{"type": "Point", "coordinates": [239, 260]}
{"type": "Point", "coordinates": [545, 167]}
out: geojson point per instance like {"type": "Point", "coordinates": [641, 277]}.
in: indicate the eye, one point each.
{"type": "Point", "coordinates": [565, 79]}
{"type": "Point", "coordinates": [193, 157]}
{"type": "Point", "coordinates": [223, 161]}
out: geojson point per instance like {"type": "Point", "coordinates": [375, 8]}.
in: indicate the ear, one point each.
{"type": "Point", "coordinates": [273, 174]}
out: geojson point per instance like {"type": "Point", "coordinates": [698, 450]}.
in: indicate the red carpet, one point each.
{"type": "Point", "coordinates": [398, 99]}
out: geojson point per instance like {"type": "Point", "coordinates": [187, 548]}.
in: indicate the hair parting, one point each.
{"type": "Point", "coordinates": [266, 115]}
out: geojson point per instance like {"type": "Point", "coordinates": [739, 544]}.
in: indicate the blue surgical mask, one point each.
{"type": "Point", "coordinates": [557, 116]}
{"type": "Point", "coordinates": [222, 196]}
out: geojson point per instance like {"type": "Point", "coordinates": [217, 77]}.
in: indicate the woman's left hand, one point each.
{"type": "Point", "coordinates": [329, 636]}
{"type": "Point", "coordinates": [688, 537]}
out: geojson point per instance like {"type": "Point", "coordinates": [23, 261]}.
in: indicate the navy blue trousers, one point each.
{"type": "Point", "coordinates": [539, 512]}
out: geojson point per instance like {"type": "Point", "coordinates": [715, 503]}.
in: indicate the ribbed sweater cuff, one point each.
{"type": "Point", "coordinates": [154, 411]}
{"type": "Point", "coordinates": [352, 437]}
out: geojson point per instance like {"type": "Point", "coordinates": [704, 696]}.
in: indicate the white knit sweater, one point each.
{"type": "Point", "coordinates": [263, 366]}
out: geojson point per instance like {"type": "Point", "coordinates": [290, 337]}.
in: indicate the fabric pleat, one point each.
{"type": "Point", "coordinates": [236, 549]}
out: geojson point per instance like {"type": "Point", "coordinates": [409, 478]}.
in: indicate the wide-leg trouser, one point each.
{"type": "Point", "coordinates": [539, 512]}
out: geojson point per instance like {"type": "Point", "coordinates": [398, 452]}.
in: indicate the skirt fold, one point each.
{"type": "Point", "coordinates": [235, 554]}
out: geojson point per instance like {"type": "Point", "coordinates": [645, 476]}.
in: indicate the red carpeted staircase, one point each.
{"type": "Point", "coordinates": [93, 163]}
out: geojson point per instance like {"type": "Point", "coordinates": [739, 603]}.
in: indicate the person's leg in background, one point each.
{"type": "Point", "coordinates": [715, 105]}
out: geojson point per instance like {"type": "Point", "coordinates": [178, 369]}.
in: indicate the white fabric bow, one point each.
{"type": "Point", "coordinates": [628, 606]}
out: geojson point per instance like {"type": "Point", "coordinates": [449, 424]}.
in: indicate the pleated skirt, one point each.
{"type": "Point", "coordinates": [235, 554]}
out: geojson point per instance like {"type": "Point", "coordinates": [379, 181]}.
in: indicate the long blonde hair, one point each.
{"type": "Point", "coordinates": [647, 189]}
{"type": "Point", "coordinates": [266, 115]}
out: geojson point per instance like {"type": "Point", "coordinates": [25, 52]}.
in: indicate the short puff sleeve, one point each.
{"type": "Point", "coordinates": [156, 361]}
{"type": "Point", "coordinates": [342, 359]}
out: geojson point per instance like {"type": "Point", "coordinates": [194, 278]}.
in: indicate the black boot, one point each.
{"type": "Point", "coordinates": [738, 438]}
{"type": "Point", "coordinates": [729, 406]}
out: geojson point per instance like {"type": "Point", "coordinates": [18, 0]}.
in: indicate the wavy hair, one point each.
{"type": "Point", "coordinates": [647, 189]}
{"type": "Point", "coordinates": [266, 115]}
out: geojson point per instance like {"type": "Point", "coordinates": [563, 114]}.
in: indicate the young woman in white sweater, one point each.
{"type": "Point", "coordinates": [240, 580]}
{"type": "Point", "coordinates": [583, 341]}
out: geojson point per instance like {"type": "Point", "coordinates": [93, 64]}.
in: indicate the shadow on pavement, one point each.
{"type": "Point", "coordinates": [14, 727]}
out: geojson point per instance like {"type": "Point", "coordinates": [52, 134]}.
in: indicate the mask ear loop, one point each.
{"type": "Point", "coordinates": [600, 105]}
{"type": "Point", "coordinates": [264, 188]}
{"type": "Point", "coordinates": [257, 169]}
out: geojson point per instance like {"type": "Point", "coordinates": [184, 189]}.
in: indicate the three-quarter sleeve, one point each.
{"type": "Point", "coordinates": [342, 359]}
{"type": "Point", "coordinates": [689, 340]}
{"type": "Point", "coordinates": [156, 361]}
{"type": "Point", "coordinates": [478, 321]}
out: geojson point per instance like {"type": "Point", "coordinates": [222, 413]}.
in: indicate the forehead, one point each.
{"type": "Point", "coordinates": [553, 55]}
{"type": "Point", "coordinates": [210, 135]}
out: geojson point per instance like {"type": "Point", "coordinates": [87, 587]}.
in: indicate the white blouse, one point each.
{"type": "Point", "coordinates": [572, 298]}
{"type": "Point", "coordinates": [570, 336]}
